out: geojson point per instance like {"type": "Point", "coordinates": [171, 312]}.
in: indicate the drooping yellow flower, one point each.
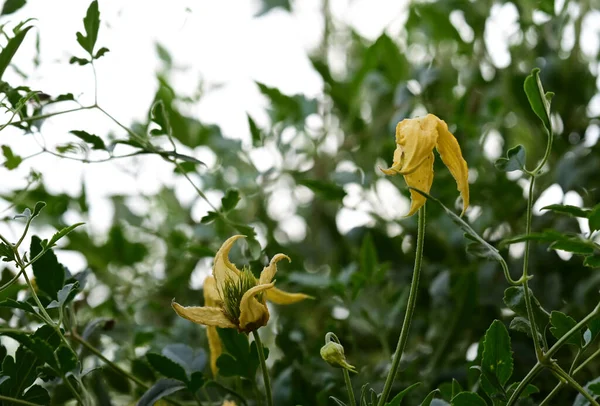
{"type": "Point", "coordinates": [413, 157]}
{"type": "Point", "coordinates": [235, 299]}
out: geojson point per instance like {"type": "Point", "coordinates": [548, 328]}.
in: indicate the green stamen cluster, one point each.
{"type": "Point", "coordinates": [234, 291]}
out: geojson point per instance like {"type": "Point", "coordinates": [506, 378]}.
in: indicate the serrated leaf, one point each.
{"type": "Point", "coordinates": [537, 98]}
{"type": "Point", "coordinates": [67, 360]}
{"type": "Point", "coordinates": [230, 200]}
{"type": "Point", "coordinates": [561, 324]}
{"type": "Point", "coordinates": [62, 233]}
{"type": "Point", "coordinates": [468, 399]}
{"type": "Point", "coordinates": [429, 398]}
{"type": "Point", "coordinates": [397, 400]}
{"type": "Point", "coordinates": [49, 273]}
{"type": "Point", "coordinates": [91, 23]}
{"type": "Point", "coordinates": [13, 304]}
{"type": "Point", "coordinates": [522, 325]}
{"type": "Point", "coordinates": [209, 218]}
{"type": "Point", "coordinates": [515, 160]}
{"type": "Point", "coordinates": [95, 141]}
{"type": "Point", "coordinates": [497, 361]}
{"type": "Point", "coordinates": [65, 295]}
{"type": "Point", "coordinates": [568, 209]}
{"type": "Point", "coordinates": [547, 236]}
{"type": "Point", "coordinates": [9, 51]}
{"type": "Point", "coordinates": [514, 299]}
{"type": "Point", "coordinates": [167, 367]}
{"type": "Point", "coordinates": [161, 389]}
{"type": "Point", "coordinates": [574, 245]}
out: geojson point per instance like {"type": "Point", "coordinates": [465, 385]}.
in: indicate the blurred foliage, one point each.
{"type": "Point", "coordinates": [326, 152]}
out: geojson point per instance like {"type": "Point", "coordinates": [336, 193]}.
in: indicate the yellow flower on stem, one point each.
{"type": "Point", "coordinates": [235, 299]}
{"type": "Point", "coordinates": [415, 140]}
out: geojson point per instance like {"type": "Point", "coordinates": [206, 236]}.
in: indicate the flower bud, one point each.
{"type": "Point", "coordinates": [333, 354]}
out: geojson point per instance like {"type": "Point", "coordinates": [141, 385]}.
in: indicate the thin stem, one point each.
{"type": "Point", "coordinates": [537, 368]}
{"type": "Point", "coordinates": [72, 389]}
{"type": "Point", "coordinates": [263, 366]}
{"type": "Point", "coordinates": [548, 398]}
{"type": "Point", "coordinates": [349, 387]}
{"type": "Point", "coordinates": [18, 401]}
{"type": "Point", "coordinates": [526, 293]}
{"type": "Point", "coordinates": [410, 308]}
{"type": "Point", "coordinates": [43, 116]}
{"type": "Point", "coordinates": [574, 384]}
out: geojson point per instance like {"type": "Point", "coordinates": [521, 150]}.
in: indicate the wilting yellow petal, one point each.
{"type": "Point", "coordinates": [223, 269]}
{"type": "Point", "coordinates": [254, 314]}
{"type": "Point", "coordinates": [421, 179]}
{"type": "Point", "coordinates": [450, 152]}
{"type": "Point", "coordinates": [268, 272]}
{"type": "Point", "coordinates": [281, 297]}
{"type": "Point", "coordinates": [211, 294]}
{"type": "Point", "coordinates": [417, 137]}
{"type": "Point", "coordinates": [215, 347]}
{"type": "Point", "coordinates": [397, 163]}
{"type": "Point", "coordinates": [229, 403]}
{"type": "Point", "coordinates": [208, 316]}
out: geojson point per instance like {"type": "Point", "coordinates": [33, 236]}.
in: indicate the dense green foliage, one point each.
{"type": "Point", "coordinates": [359, 279]}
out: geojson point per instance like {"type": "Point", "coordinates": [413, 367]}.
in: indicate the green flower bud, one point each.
{"type": "Point", "coordinates": [333, 354]}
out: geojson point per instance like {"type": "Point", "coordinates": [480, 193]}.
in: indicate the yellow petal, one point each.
{"type": "Point", "coordinates": [417, 138]}
{"type": "Point", "coordinates": [281, 297]}
{"type": "Point", "coordinates": [397, 163]}
{"type": "Point", "coordinates": [268, 272]}
{"type": "Point", "coordinates": [215, 347]}
{"type": "Point", "coordinates": [208, 316]}
{"type": "Point", "coordinates": [421, 179]}
{"type": "Point", "coordinates": [450, 152]}
{"type": "Point", "coordinates": [211, 294]}
{"type": "Point", "coordinates": [254, 314]}
{"type": "Point", "coordinates": [223, 269]}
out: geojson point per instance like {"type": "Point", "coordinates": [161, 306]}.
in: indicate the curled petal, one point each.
{"type": "Point", "coordinates": [268, 272]}
{"type": "Point", "coordinates": [421, 179]}
{"type": "Point", "coordinates": [417, 137]}
{"type": "Point", "coordinates": [450, 152]}
{"type": "Point", "coordinates": [223, 269]}
{"type": "Point", "coordinates": [211, 294]}
{"type": "Point", "coordinates": [254, 313]}
{"type": "Point", "coordinates": [208, 316]}
{"type": "Point", "coordinates": [397, 163]}
{"type": "Point", "coordinates": [215, 347]}
{"type": "Point", "coordinates": [281, 297]}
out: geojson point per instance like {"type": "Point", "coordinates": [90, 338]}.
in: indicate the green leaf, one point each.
{"type": "Point", "coordinates": [49, 273]}
{"type": "Point", "coordinates": [240, 359]}
{"type": "Point", "coordinates": [95, 141]}
{"type": "Point", "coordinates": [538, 100]}
{"type": "Point", "coordinates": [255, 131]}
{"type": "Point", "coordinates": [561, 324]}
{"type": "Point", "coordinates": [368, 256]}
{"type": "Point", "coordinates": [91, 23]}
{"type": "Point", "coordinates": [161, 389]}
{"type": "Point", "coordinates": [79, 61]}
{"type": "Point", "coordinates": [167, 367]}
{"type": "Point", "coordinates": [10, 6]}
{"type": "Point", "coordinates": [568, 209]}
{"type": "Point", "coordinates": [11, 49]}
{"type": "Point", "coordinates": [468, 399]}
{"type": "Point", "coordinates": [67, 359]}
{"type": "Point", "coordinates": [60, 234]}
{"type": "Point", "coordinates": [456, 389]}
{"type": "Point", "coordinates": [547, 236]}
{"type": "Point", "coordinates": [574, 245]}
{"type": "Point", "coordinates": [497, 361]}
{"type": "Point", "coordinates": [514, 299]}
{"type": "Point", "coordinates": [210, 217]}
{"type": "Point", "coordinates": [39, 206]}
{"type": "Point", "coordinates": [13, 304]}
{"type": "Point", "coordinates": [12, 161]}
{"type": "Point", "coordinates": [522, 325]}
{"type": "Point", "coordinates": [159, 115]}
{"type": "Point", "coordinates": [594, 218]}
{"type": "Point", "coordinates": [580, 400]}
{"type": "Point", "coordinates": [101, 52]}
{"type": "Point", "coordinates": [182, 354]}
{"type": "Point", "coordinates": [230, 200]}
{"type": "Point", "coordinates": [325, 190]}
{"type": "Point", "coordinates": [515, 160]}
{"type": "Point", "coordinates": [595, 388]}
{"type": "Point", "coordinates": [429, 398]}
{"type": "Point", "coordinates": [37, 395]}
{"type": "Point", "coordinates": [397, 400]}
{"type": "Point", "coordinates": [65, 295]}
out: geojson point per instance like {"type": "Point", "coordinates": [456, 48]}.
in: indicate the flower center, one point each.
{"type": "Point", "coordinates": [234, 290]}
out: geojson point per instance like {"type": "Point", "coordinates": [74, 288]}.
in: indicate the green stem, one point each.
{"type": "Point", "coordinates": [43, 116]}
{"type": "Point", "coordinates": [537, 368]}
{"type": "Point", "coordinates": [349, 387]}
{"type": "Point", "coordinates": [18, 401]}
{"type": "Point", "coordinates": [263, 366]}
{"type": "Point", "coordinates": [556, 389]}
{"type": "Point", "coordinates": [560, 373]}
{"type": "Point", "coordinates": [72, 389]}
{"type": "Point", "coordinates": [410, 308]}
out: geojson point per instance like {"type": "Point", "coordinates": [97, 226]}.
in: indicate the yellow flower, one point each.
{"type": "Point", "coordinates": [333, 354]}
{"type": "Point", "coordinates": [229, 403]}
{"type": "Point", "coordinates": [235, 299]}
{"type": "Point", "coordinates": [413, 157]}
